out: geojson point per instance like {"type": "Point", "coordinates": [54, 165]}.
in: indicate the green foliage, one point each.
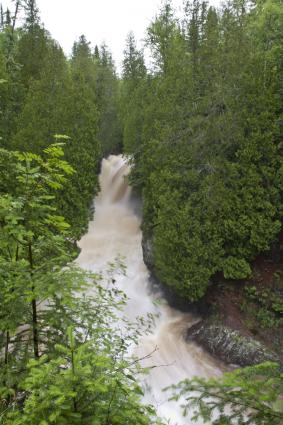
{"type": "Point", "coordinates": [45, 110]}
{"type": "Point", "coordinates": [265, 305]}
{"type": "Point", "coordinates": [237, 269]}
{"type": "Point", "coordinates": [63, 100]}
{"type": "Point", "coordinates": [11, 88]}
{"type": "Point", "coordinates": [107, 90]}
{"type": "Point", "coordinates": [83, 385]}
{"type": "Point", "coordinates": [43, 94]}
{"type": "Point", "coordinates": [252, 395]}
{"type": "Point", "coordinates": [32, 236]}
{"type": "Point", "coordinates": [202, 128]}
{"type": "Point", "coordinates": [83, 148]}
{"type": "Point", "coordinates": [132, 95]}
{"type": "Point", "coordinates": [31, 53]}
{"type": "Point", "coordinates": [64, 353]}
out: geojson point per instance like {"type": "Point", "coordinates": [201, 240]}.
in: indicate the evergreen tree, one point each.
{"type": "Point", "coordinates": [133, 63]}
{"type": "Point", "coordinates": [252, 395]}
{"type": "Point", "coordinates": [8, 18]}
{"type": "Point", "coordinates": [160, 35]}
{"type": "Point", "coordinates": [208, 153]}
{"type": "Point", "coordinates": [32, 14]}
{"type": "Point", "coordinates": [132, 94]}
{"type": "Point", "coordinates": [45, 110]}
{"type": "Point", "coordinates": [107, 86]}
{"type": "Point", "coordinates": [83, 151]}
{"type": "Point", "coordinates": [12, 91]}
{"type": "Point", "coordinates": [32, 53]}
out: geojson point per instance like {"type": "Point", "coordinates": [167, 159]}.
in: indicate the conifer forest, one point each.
{"type": "Point", "coordinates": [175, 165]}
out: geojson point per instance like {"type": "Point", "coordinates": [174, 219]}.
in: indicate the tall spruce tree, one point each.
{"type": "Point", "coordinates": [107, 86]}
{"type": "Point", "coordinates": [45, 110]}
{"type": "Point", "coordinates": [83, 149]}
{"type": "Point", "coordinates": [132, 95]}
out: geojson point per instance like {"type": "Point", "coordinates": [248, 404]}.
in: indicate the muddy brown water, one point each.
{"type": "Point", "coordinates": [114, 231]}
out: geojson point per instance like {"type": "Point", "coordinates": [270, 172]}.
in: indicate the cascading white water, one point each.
{"type": "Point", "coordinates": [114, 231]}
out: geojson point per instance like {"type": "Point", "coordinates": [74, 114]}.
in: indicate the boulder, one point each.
{"type": "Point", "coordinates": [229, 345]}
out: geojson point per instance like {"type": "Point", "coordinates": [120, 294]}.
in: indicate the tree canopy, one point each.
{"type": "Point", "coordinates": [202, 127]}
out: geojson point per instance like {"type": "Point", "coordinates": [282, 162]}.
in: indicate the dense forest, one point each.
{"type": "Point", "coordinates": [43, 95]}
{"type": "Point", "coordinates": [201, 127]}
{"type": "Point", "coordinates": [203, 130]}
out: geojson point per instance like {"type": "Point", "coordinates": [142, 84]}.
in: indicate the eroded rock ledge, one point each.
{"type": "Point", "coordinates": [229, 345]}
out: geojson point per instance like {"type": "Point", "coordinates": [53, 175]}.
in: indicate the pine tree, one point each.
{"type": "Point", "coordinates": [8, 18]}
{"type": "Point", "coordinates": [83, 151]}
{"type": "Point", "coordinates": [32, 14]}
{"type": "Point", "coordinates": [160, 34]}
{"type": "Point", "coordinates": [33, 44]}
{"type": "Point", "coordinates": [107, 86]}
{"type": "Point", "coordinates": [96, 53]}
{"type": "Point", "coordinates": [133, 63]}
{"type": "Point", "coordinates": [45, 110]}
{"type": "Point", "coordinates": [32, 53]}
{"type": "Point", "coordinates": [132, 92]}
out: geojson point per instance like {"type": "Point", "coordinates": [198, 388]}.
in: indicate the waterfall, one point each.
{"type": "Point", "coordinates": [116, 230]}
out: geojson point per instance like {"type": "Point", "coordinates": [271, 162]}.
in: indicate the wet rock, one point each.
{"type": "Point", "coordinates": [147, 250]}
{"type": "Point", "coordinates": [229, 345]}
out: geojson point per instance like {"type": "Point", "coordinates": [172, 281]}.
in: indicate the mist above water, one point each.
{"type": "Point", "coordinates": [114, 231]}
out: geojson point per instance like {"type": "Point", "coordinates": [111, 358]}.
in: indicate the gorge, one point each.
{"type": "Point", "coordinates": [114, 231]}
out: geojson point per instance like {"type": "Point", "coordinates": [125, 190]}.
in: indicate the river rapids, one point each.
{"type": "Point", "coordinates": [114, 231]}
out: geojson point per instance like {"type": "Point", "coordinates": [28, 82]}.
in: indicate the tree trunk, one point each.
{"type": "Point", "coordinates": [7, 347]}
{"type": "Point", "coordinates": [34, 329]}
{"type": "Point", "coordinates": [34, 313]}
{"type": "Point", "coordinates": [15, 16]}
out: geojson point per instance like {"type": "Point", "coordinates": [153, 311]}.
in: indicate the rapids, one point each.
{"type": "Point", "coordinates": [114, 231]}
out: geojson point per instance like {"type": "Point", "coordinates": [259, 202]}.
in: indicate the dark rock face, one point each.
{"type": "Point", "coordinates": [229, 345]}
{"type": "Point", "coordinates": [147, 250]}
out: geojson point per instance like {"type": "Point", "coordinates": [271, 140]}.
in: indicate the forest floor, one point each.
{"type": "Point", "coordinates": [253, 306]}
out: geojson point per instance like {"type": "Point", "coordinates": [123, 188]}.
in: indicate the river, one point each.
{"type": "Point", "coordinates": [116, 230]}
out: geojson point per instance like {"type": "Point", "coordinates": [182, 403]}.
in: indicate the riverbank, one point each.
{"type": "Point", "coordinates": [242, 320]}
{"type": "Point", "coordinates": [253, 307]}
